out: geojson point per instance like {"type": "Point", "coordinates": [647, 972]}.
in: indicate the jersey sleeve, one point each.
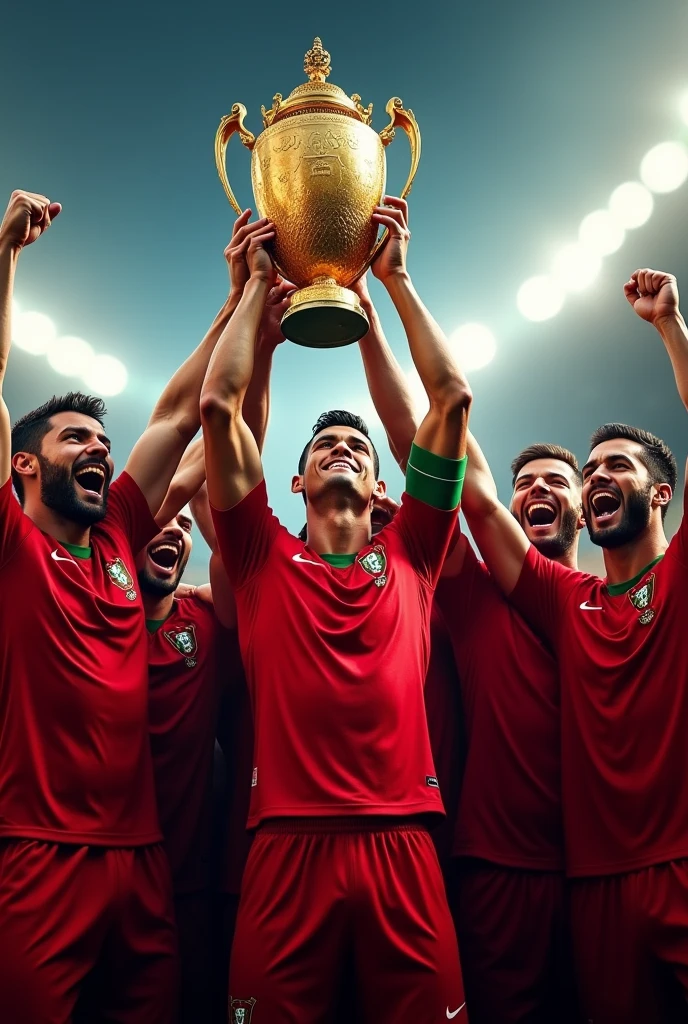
{"type": "Point", "coordinates": [542, 591]}
{"type": "Point", "coordinates": [128, 509]}
{"type": "Point", "coordinates": [245, 535]}
{"type": "Point", "coordinates": [426, 533]}
{"type": "Point", "coordinates": [678, 546]}
{"type": "Point", "coordinates": [15, 526]}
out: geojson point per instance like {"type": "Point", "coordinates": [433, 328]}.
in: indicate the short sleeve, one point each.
{"type": "Point", "coordinates": [542, 591]}
{"type": "Point", "coordinates": [128, 509]}
{"type": "Point", "coordinates": [15, 526]}
{"type": "Point", "coordinates": [245, 535]}
{"type": "Point", "coordinates": [426, 532]}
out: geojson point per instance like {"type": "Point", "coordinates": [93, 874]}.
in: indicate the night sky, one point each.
{"type": "Point", "coordinates": [531, 114]}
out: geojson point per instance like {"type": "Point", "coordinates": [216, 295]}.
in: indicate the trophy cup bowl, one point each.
{"type": "Point", "coordinates": [318, 172]}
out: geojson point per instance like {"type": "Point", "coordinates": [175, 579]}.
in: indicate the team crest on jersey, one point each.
{"type": "Point", "coordinates": [184, 641]}
{"type": "Point", "coordinates": [641, 598]}
{"type": "Point", "coordinates": [241, 1010]}
{"type": "Point", "coordinates": [121, 577]}
{"type": "Point", "coordinates": [375, 564]}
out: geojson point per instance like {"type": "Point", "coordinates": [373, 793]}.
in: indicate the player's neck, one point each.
{"type": "Point", "coordinates": [624, 563]}
{"type": "Point", "coordinates": [157, 608]}
{"type": "Point", "coordinates": [569, 559]}
{"type": "Point", "coordinates": [338, 531]}
{"type": "Point", "coordinates": [66, 531]}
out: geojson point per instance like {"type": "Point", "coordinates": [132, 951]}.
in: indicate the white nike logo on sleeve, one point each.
{"type": "Point", "coordinates": [590, 607]}
{"type": "Point", "coordinates": [450, 1016]}
{"type": "Point", "coordinates": [59, 558]}
{"type": "Point", "coordinates": [299, 558]}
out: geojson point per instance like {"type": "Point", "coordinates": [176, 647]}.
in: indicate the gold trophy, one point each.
{"type": "Point", "coordinates": [318, 172]}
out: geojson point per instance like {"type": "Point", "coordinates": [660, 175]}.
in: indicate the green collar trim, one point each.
{"type": "Point", "coordinates": [153, 625]}
{"type": "Point", "coordinates": [339, 561]}
{"type": "Point", "coordinates": [614, 589]}
{"type": "Point", "coordinates": [77, 550]}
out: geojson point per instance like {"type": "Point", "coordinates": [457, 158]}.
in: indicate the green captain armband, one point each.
{"type": "Point", "coordinates": [435, 480]}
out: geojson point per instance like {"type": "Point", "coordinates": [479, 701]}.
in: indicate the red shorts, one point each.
{"type": "Point", "coordinates": [320, 895]}
{"type": "Point", "coordinates": [86, 931]}
{"type": "Point", "coordinates": [515, 944]}
{"type": "Point", "coordinates": [630, 935]}
{"type": "Point", "coordinates": [193, 912]}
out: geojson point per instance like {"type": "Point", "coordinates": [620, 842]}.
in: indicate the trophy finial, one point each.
{"type": "Point", "coordinates": [317, 62]}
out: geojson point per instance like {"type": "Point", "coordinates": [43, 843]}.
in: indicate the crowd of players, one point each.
{"type": "Point", "coordinates": [337, 692]}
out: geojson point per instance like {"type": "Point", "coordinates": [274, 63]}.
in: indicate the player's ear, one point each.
{"type": "Point", "coordinates": [662, 495]}
{"type": "Point", "coordinates": [380, 489]}
{"type": "Point", "coordinates": [25, 464]}
{"type": "Point", "coordinates": [297, 484]}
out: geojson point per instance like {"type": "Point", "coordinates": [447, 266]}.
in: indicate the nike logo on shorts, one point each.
{"type": "Point", "coordinates": [59, 558]}
{"type": "Point", "coordinates": [450, 1016]}
{"type": "Point", "coordinates": [299, 558]}
{"type": "Point", "coordinates": [585, 607]}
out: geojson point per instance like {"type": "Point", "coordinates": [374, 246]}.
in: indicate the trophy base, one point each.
{"type": "Point", "coordinates": [324, 315]}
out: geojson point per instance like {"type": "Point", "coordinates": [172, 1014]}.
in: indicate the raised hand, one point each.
{"type": "Point", "coordinates": [236, 251]}
{"type": "Point", "coordinates": [270, 330]}
{"type": "Point", "coordinates": [27, 216]}
{"type": "Point", "coordinates": [653, 295]}
{"type": "Point", "coordinates": [391, 260]}
{"type": "Point", "coordinates": [258, 259]}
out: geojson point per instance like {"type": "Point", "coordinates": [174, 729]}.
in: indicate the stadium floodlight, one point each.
{"type": "Point", "coordinates": [576, 267]}
{"type": "Point", "coordinates": [601, 233]}
{"type": "Point", "coordinates": [71, 356]}
{"type": "Point", "coordinates": [665, 167]}
{"type": "Point", "coordinates": [33, 332]}
{"type": "Point", "coordinates": [683, 107]}
{"type": "Point", "coordinates": [474, 346]}
{"type": "Point", "coordinates": [106, 375]}
{"type": "Point", "coordinates": [631, 205]}
{"type": "Point", "coordinates": [540, 298]}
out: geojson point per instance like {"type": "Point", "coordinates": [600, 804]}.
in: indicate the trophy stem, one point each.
{"type": "Point", "coordinates": [324, 315]}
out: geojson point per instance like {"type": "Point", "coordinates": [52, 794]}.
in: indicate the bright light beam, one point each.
{"type": "Point", "coordinates": [664, 168]}
{"type": "Point", "coordinates": [71, 356]}
{"type": "Point", "coordinates": [33, 332]}
{"type": "Point", "coordinates": [576, 267]}
{"type": "Point", "coordinates": [631, 205]}
{"type": "Point", "coordinates": [601, 233]}
{"type": "Point", "coordinates": [106, 375]}
{"type": "Point", "coordinates": [474, 346]}
{"type": "Point", "coordinates": [540, 298]}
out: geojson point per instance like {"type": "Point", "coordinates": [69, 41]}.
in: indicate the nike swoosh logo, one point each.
{"type": "Point", "coordinates": [299, 558]}
{"type": "Point", "coordinates": [59, 558]}
{"type": "Point", "coordinates": [590, 607]}
{"type": "Point", "coordinates": [450, 1016]}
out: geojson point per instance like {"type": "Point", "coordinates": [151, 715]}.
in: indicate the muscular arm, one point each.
{"type": "Point", "coordinates": [8, 262]}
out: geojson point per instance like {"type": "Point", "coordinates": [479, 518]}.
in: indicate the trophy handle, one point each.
{"type": "Point", "coordinates": [400, 118]}
{"type": "Point", "coordinates": [230, 124]}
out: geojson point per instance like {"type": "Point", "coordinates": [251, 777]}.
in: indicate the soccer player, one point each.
{"type": "Point", "coordinates": [623, 662]}
{"type": "Point", "coordinates": [508, 894]}
{"type": "Point", "coordinates": [85, 890]}
{"type": "Point", "coordinates": [334, 636]}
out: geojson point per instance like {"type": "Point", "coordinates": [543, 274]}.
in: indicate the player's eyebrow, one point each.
{"type": "Point", "coordinates": [350, 440]}
{"type": "Point", "coordinates": [85, 432]}
{"type": "Point", "coordinates": [610, 457]}
{"type": "Point", "coordinates": [184, 521]}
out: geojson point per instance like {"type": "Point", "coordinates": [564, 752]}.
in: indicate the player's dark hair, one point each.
{"type": "Point", "coordinates": [544, 451]}
{"type": "Point", "coordinates": [656, 456]}
{"type": "Point", "coordinates": [339, 418]}
{"type": "Point", "coordinates": [29, 430]}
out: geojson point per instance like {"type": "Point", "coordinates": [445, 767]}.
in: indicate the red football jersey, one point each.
{"type": "Point", "coordinates": [190, 656]}
{"type": "Point", "coordinates": [236, 740]}
{"type": "Point", "coordinates": [335, 660]}
{"type": "Point", "coordinates": [623, 662]}
{"type": "Point", "coordinates": [75, 763]}
{"type": "Point", "coordinates": [510, 804]}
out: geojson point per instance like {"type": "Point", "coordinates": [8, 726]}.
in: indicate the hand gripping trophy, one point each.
{"type": "Point", "coordinates": [318, 172]}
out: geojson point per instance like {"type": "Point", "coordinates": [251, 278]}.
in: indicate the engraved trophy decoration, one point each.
{"type": "Point", "coordinates": [318, 171]}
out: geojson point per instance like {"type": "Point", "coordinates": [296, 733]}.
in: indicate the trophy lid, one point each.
{"type": "Point", "coordinates": [317, 93]}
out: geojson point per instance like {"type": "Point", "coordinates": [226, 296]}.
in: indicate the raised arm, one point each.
{"type": "Point", "coordinates": [232, 457]}
{"type": "Point", "coordinates": [176, 418]}
{"type": "Point", "coordinates": [443, 431]}
{"type": "Point", "coordinates": [27, 216]}
{"type": "Point", "coordinates": [654, 297]}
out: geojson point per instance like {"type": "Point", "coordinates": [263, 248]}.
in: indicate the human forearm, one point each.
{"type": "Point", "coordinates": [256, 407]}
{"type": "Point", "coordinates": [186, 482]}
{"type": "Point", "coordinates": [8, 265]}
{"type": "Point", "coordinates": [231, 366]}
{"type": "Point", "coordinates": [674, 334]}
{"type": "Point", "coordinates": [479, 496]}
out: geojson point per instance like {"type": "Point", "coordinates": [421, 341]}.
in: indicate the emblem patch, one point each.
{"type": "Point", "coordinates": [241, 1010]}
{"type": "Point", "coordinates": [184, 641]}
{"type": "Point", "coordinates": [121, 577]}
{"type": "Point", "coordinates": [375, 564]}
{"type": "Point", "coordinates": [641, 598]}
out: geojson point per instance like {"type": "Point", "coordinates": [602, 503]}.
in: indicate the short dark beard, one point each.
{"type": "Point", "coordinates": [563, 540]}
{"type": "Point", "coordinates": [635, 520]}
{"type": "Point", "coordinates": [155, 587]}
{"type": "Point", "coordinates": [58, 492]}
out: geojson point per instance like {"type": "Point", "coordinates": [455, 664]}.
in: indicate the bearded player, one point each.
{"type": "Point", "coordinates": [334, 636]}
{"type": "Point", "coordinates": [85, 890]}
{"type": "Point", "coordinates": [624, 692]}
{"type": "Point", "coordinates": [508, 890]}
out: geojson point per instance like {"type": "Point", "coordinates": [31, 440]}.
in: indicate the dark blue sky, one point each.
{"type": "Point", "coordinates": [530, 115]}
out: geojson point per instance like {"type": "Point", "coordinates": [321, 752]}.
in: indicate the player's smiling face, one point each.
{"type": "Point", "coordinates": [618, 494]}
{"type": "Point", "coordinates": [161, 564]}
{"type": "Point", "coordinates": [340, 458]}
{"type": "Point", "coordinates": [547, 504]}
{"type": "Point", "coordinates": [75, 467]}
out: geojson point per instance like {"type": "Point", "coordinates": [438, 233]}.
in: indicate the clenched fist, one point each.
{"type": "Point", "coordinates": [653, 295]}
{"type": "Point", "coordinates": [27, 216]}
